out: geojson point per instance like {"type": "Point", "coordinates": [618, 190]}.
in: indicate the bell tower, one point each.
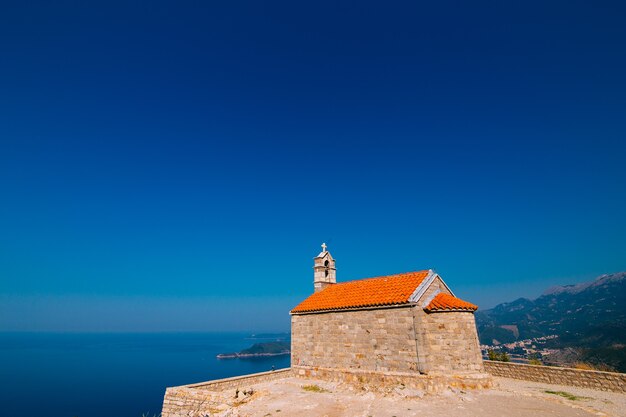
{"type": "Point", "coordinates": [325, 273]}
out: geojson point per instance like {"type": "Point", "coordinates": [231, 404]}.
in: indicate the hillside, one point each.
{"type": "Point", "coordinates": [589, 317]}
{"type": "Point", "coordinates": [270, 348]}
{"type": "Point", "coordinates": [260, 349]}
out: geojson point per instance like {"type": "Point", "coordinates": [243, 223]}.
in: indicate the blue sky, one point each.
{"type": "Point", "coordinates": [176, 165]}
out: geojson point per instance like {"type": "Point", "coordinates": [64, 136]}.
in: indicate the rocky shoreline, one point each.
{"type": "Point", "coordinates": [277, 348]}
{"type": "Point", "coordinates": [249, 355]}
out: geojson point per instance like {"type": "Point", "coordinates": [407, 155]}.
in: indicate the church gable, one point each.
{"type": "Point", "coordinates": [431, 285]}
{"type": "Point", "coordinates": [434, 295]}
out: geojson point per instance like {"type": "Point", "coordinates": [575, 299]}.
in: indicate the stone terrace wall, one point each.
{"type": "Point", "coordinates": [239, 381]}
{"type": "Point", "coordinates": [605, 381]}
{"type": "Point", "coordinates": [385, 380]}
{"type": "Point", "coordinates": [212, 396]}
{"type": "Point", "coordinates": [189, 402]}
{"type": "Point", "coordinates": [378, 340]}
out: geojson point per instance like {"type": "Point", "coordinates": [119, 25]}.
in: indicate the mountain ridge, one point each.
{"type": "Point", "coordinates": [589, 317]}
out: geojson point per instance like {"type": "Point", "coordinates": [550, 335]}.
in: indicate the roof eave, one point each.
{"type": "Point", "coordinates": [450, 310]}
{"type": "Point", "coordinates": [339, 310]}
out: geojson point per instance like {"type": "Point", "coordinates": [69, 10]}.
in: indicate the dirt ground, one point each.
{"type": "Point", "coordinates": [512, 398]}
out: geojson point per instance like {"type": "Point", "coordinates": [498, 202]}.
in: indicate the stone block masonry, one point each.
{"type": "Point", "coordinates": [400, 339]}
{"type": "Point", "coordinates": [604, 381]}
{"type": "Point", "coordinates": [381, 381]}
{"type": "Point", "coordinates": [447, 341]}
{"type": "Point", "coordinates": [377, 339]}
{"type": "Point", "coordinates": [212, 396]}
{"type": "Point", "coordinates": [239, 381]}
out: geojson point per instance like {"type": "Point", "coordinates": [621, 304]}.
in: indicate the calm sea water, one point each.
{"type": "Point", "coordinates": [112, 375]}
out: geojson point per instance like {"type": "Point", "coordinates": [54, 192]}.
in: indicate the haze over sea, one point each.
{"type": "Point", "coordinates": [112, 374]}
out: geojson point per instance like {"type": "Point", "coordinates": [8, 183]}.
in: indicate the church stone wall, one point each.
{"type": "Point", "coordinates": [447, 341]}
{"type": "Point", "coordinates": [405, 339]}
{"type": "Point", "coordinates": [376, 340]}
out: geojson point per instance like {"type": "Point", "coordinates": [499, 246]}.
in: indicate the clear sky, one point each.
{"type": "Point", "coordinates": [175, 166]}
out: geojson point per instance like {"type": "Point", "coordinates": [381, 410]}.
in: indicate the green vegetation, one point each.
{"type": "Point", "coordinates": [533, 359]}
{"type": "Point", "coordinates": [314, 388]}
{"type": "Point", "coordinates": [260, 349]}
{"type": "Point", "coordinates": [609, 359]}
{"type": "Point", "coordinates": [565, 395]}
{"type": "Point", "coordinates": [267, 348]}
{"type": "Point", "coordinates": [598, 366]}
{"type": "Point", "coordinates": [498, 356]}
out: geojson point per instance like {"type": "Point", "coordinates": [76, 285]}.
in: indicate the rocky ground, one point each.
{"type": "Point", "coordinates": [296, 397]}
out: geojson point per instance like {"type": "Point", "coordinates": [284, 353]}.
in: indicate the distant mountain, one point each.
{"type": "Point", "coordinates": [590, 317]}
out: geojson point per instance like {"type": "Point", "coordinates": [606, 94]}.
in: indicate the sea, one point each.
{"type": "Point", "coordinates": [114, 375]}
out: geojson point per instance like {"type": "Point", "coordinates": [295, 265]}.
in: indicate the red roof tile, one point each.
{"type": "Point", "coordinates": [370, 292]}
{"type": "Point", "coordinates": [446, 302]}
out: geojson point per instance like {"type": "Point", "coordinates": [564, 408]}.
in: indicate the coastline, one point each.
{"type": "Point", "coordinates": [249, 355]}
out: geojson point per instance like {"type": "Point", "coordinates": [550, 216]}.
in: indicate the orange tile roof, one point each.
{"type": "Point", "coordinates": [379, 291]}
{"type": "Point", "coordinates": [446, 302]}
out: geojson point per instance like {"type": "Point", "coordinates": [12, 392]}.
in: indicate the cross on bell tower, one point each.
{"type": "Point", "coordinates": [324, 269]}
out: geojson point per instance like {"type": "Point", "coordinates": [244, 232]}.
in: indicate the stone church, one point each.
{"type": "Point", "coordinates": [406, 323]}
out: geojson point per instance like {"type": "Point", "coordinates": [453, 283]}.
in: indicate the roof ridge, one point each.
{"type": "Point", "coordinates": [383, 276]}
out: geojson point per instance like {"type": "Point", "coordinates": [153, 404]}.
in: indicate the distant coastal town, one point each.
{"type": "Point", "coordinates": [523, 351]}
